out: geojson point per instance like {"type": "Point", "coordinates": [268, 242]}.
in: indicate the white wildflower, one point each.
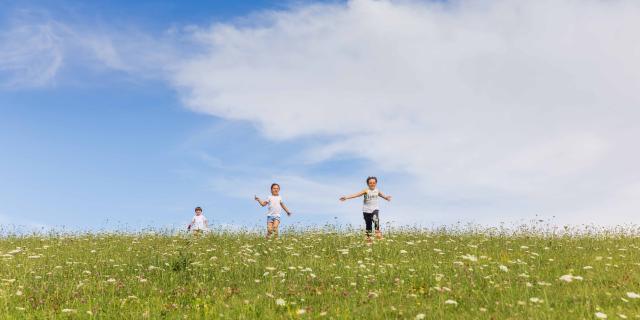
{"type": "Point", "coordinates": [601, 315]}
{"type": "Point", "coordinates": [453, 302]}
{"type": "Point", "coordinates": [535, 300]}
{"type": "Point", "coordinates": [633, 295]}
{"type": "Point", "coordinates": [470, 257]}
{"type": "Point", "coordinates": [570, 277]}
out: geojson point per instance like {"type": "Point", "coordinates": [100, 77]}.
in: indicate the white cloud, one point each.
{"type": "Point", "coordinates": [35, 48]}
{"type": "Point", "coordinates": [30, 54]}
{"type": "Point", "coordinates": [524, 106]}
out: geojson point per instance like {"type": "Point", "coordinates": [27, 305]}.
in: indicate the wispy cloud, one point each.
{"type": "Point", "coordinates": [30, 54]}
{"type": "Point", "coordinates": [35, 48]}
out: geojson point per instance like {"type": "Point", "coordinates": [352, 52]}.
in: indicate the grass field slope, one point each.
{"type": "Point", "coordinates": [323, 273]}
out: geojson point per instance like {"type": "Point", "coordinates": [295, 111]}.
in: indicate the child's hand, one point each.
{"type": "Point", "coordinates": [256, 198]}
{"type": "Point", "coordinates": [289, 213]}
{"type": "Point", "coordinates": [343, 198]}
{"type": "Point", "coordinates": [388, 198]}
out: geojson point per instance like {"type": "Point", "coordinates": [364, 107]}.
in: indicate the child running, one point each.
{"type": "Point", "coordinates": [370, 208]}
{"type": "Point", "coordinates": [199, 223]}
{"type": "Point", "coordinates": [273, 210]}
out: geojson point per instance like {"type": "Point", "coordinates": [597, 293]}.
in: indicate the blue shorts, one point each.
{"type": "Point", "coordinates": [272, 218]}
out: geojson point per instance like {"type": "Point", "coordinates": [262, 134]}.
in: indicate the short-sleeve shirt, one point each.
{"type": "Point", "coordinates": [274, 206]}
{"type": "Point", "coordinates": [199, 222]}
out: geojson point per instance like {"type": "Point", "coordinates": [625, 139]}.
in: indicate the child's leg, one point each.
{"type": "Point", "coordinates": [274, 229]}
{"type": "Point", "coordinates": [269, 228]}
{"type": "Point", "coordinates": [376, 220]}
{"type": "Point", "coordinates": [368, 220]}
{"type": "Point", "coordinates": [376, 224]}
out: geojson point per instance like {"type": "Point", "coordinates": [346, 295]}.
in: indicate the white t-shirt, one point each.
{"type": "Point", "coordinates": [274, 206]}
{"type": "Point", "coordinates": [370, 200]}
{"type": "Point", "coordinates": [199, 222]}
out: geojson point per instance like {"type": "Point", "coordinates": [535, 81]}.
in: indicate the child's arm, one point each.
{"type": "Point", "coordinates": [388, 198]}
{"type": "Point", "coordinates": [355, 195]}
{"type": "Point", "coordinates": [262, 203]}
{"type": "Point", "coordinates": [285, 208]}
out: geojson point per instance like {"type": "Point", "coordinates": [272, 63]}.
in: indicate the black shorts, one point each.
{"type": "Point", "coordinates": [371, 220]}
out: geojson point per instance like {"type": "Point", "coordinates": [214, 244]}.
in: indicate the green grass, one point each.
{"type": "Point", "coordinates": [321, 274]}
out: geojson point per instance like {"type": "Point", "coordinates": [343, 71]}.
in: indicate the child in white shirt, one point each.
{"type": "Point", "coordinates": [273, 210]}
{"type": "Point", "coordinates": [199, 223]}
{"type": "Point", "coordinates": [370, 208]}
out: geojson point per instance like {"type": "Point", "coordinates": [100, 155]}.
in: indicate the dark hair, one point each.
{"type": "Point", "coordinates": [369, 178]}
{"type": "Point", "coordinates": [273, 185]}
{"type": "Point", "coordinates": [198, 209]}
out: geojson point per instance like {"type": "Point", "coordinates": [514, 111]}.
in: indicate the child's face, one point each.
{"type": "Point", "coordinates": [198, 212]}
{"type": "Point", "coordinates": [372, 183]}
{"type": "Point", "coordinates": [275, 190]}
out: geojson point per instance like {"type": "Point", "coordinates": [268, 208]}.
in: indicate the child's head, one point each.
{"type": "Point", "coordinates": [372, 182]}
{"type": "Point", "coordinates": [275, 189]}
{"type": "Point", "coordinates": [198, 211]}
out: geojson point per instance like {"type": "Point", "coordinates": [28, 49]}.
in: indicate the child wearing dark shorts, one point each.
{"type": "Point", "coordinates": [370, 208]}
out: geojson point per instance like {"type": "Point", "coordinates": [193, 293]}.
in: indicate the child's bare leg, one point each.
{"type": "Point", "coordinates": [274, 229]}
{"type": "Point", "coordinates": [269, 228]}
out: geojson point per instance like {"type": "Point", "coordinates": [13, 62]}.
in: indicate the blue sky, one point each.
{"type": "Point", "coordinates": [129, 114]}
{"type": "Point", "coordinates": [100, 149]}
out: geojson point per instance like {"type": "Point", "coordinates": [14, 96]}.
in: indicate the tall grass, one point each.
{"type": "Point", "coordinates": [462, 273]}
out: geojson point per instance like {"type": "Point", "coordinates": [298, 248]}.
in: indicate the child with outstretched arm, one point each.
{"type": "Point", "coordinates": [370, 209]}
{"type": "Point", "coordinates": [275, 206]}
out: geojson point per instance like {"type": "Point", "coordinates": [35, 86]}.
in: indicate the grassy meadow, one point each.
{"type": "Point", "coordinates": [322, 273]}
